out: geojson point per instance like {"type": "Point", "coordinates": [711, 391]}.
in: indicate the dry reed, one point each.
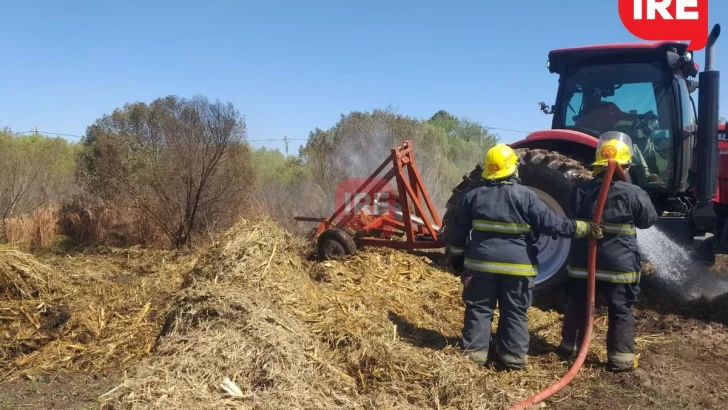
{"type": "Point", "coordinates": [34, 231]}
{"type": "Point", "coordinates": [104, 224]}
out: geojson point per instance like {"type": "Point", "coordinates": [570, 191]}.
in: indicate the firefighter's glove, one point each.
{"type": "Point", "coordinates": [457, 259]}
{"type": "Point", "coordinates": [458, 264]}
{"type": "Point", "coordinates": [588, 230]}
{"type": "Point", "coordinates": [465, 280]}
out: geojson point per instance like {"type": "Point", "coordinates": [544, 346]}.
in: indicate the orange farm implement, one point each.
{"type": "Point", "coordinates": [375, 212]}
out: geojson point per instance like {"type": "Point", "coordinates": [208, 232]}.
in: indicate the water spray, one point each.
{"type": "Point", "coordinates": [672, 262]}
{"type": "Point", "coordinates": [675, 268]}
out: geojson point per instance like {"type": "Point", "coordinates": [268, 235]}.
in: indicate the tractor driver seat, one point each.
{"type": "Point", "coordinates": [598, 115]}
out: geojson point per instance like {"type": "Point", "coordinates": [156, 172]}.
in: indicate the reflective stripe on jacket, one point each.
{"type": "Point", "coordinates": [628, 207]}
{"type": "Point", "coordinates": [496, 227]}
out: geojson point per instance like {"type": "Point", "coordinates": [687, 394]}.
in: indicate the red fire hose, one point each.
{"type": "Point", "coordinates": [591, 286]}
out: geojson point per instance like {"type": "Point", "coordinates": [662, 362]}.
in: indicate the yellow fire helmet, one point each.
{"type": "Point", "coordinates": [614, 145]}
{"type": "Point", "coordinates": [501, 161]}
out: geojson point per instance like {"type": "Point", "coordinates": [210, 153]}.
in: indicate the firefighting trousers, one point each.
{"type": "Point", "coordinates": [513, 296]}
{"type": "Point", "coordinates": [620, 333]}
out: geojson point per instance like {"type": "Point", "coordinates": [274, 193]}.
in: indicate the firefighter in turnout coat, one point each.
{"type": "Point", "coordinates": [618, 260]}
{"type": "Point", "coordinates": [493, 250]}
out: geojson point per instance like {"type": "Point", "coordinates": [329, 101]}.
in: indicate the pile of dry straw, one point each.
{"type": "Point", "coordinates": [80, 313]}
{"type": "Point", "coordinates": [257, 326]}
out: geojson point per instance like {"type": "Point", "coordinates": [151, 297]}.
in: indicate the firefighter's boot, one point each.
{"type": "Point", "coordinates": [622, 362]}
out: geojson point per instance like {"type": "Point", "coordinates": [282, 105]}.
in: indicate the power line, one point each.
{"type": "Point", "coordinates": [59, 134]}
{"type": "Point", "coordinates": [505, 129]}
{"type": "Point", "coordinates": [280, 139]}
{"type": "Point", "coordinates": [36, 132]}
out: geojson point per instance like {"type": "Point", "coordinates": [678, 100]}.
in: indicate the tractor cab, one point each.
{"type": "Point", "coordinates": [642, 90]}
{"type": "Point", "coordinates": [645, 91]}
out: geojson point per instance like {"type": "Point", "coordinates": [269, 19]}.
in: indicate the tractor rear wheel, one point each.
{"type": "Point", "coordinates": [551, 176]}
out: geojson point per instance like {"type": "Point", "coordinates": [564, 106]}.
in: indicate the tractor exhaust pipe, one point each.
{"type": "Point", "coordinates": [710, 48]}
{"type": "Point", "coordinates": [704, 217]}
{"type": "Point", "coordinates": [707, 144]}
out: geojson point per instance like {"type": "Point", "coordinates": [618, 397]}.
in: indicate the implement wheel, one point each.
{"type": "Point", "coordinates": [335, 244]}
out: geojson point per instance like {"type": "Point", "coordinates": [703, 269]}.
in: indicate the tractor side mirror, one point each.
{"type": "Point", "coordinates": [692, 85]}
{"type": "Point", "coordinates": [545, 108]}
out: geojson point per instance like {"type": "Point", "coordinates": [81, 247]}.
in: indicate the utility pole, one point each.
{"type": "Point", "coordinates": [285, 138]}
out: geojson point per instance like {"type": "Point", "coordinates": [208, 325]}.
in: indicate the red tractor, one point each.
{"type": "Point", "coordinates": [643, 90]}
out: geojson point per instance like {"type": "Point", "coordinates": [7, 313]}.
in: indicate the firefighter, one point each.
{"type": "Point", "coordinates": [617, 261]}
{"type": "Point", "coordinates": [493, 250]}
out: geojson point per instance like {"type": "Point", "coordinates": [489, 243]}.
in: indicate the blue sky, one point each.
{"type": "Point", "coordinates": [291, 66]}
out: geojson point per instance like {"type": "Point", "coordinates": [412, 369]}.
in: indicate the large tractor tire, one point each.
{"type": "Point", "coordinates": [551, 176]}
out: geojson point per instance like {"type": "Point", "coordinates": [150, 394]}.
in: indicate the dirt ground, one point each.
{"type": "Point", "coordinates": [683, 366]}
{"type": "Point", "coordinates": [75, 391]}
{"type": "Point", "coordinates": [686, 370]}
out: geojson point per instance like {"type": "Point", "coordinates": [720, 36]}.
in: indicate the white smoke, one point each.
{"type": "Point", "coordinates": [367, 141]}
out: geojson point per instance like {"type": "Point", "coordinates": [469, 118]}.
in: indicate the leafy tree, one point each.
{"type": "Point", "coordinates": [35, 171]}
{"type": "Point", "coordinates": [461, 128]}
{"type": "Point", "coordinates": [184, 162]}
{"type": "Point", "coordinates": [279, 180]}
{"type": "Point", "coordinates": [445, 148]}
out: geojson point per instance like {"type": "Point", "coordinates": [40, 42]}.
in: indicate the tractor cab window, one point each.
{"type": "Point", "coordinates": [633, 98]}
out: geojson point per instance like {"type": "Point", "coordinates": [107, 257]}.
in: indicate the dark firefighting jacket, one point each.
{"type": "Point", "coordinates": [627, 207]}
{"type": "Point", "coordinates": [497, 225]}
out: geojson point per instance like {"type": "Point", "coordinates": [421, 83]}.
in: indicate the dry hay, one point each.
{"type": "Point", "coordinates": [227, 323]}
{"type": "Point", "coordinates": [79, 313]}
{"type": "Point", "coordinates": [374, 332]}
{"type": "Point", "coordinates": [21, 276]}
